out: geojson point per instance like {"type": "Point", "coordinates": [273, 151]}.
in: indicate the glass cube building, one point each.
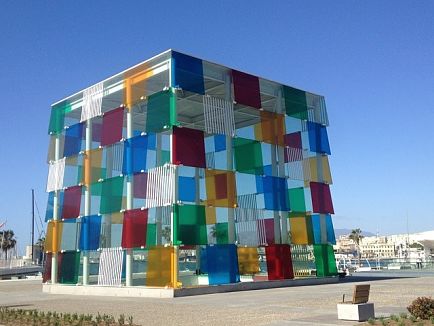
{"type": "Point", "coordinates": [180, 172]}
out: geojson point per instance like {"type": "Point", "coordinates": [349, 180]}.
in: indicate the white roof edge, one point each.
{"type": "Point", "coordinates": [117, 74]}
{"type": "Point", "coordinates": [174, 50]}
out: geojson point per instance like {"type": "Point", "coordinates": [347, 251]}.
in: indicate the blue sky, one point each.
{"type": "Point", "coordinates": [372, 60]}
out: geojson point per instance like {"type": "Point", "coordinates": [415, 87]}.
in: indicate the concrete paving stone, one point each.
{"type": "Point", "coordinates": [306, 305]}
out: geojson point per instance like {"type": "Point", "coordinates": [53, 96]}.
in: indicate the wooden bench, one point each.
{"type": "Point", "coordinates": [358, 308]}
{"type": "Point", "coordinates": [360, 294]}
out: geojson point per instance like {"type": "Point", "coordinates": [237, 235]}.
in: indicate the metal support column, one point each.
{"type": "Point", "coordinates": [229, 162]}
{"type": "Point", "coordinates": [129, 252]}
{"type": "Point", "coordinates": [87, 200]}
{"type": "Point", "coordinates": [55, 212]}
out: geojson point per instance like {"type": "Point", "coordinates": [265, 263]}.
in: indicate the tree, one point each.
{"type": "Point", "coordinates": [7, 241]}
{"type": "Point", "coordinates": [356, 236]}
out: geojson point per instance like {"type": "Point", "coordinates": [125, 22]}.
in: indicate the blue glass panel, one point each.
{"type": "Point", "coordinates": [135, 155]}
{"type": "Point", "coordinates": [90, 232]}
{"type": "Point", "coordinates": [188, 73]}
{"type": "Point", "coordinates": [268, 170]}
{"type": "Point", "coordinates": [331, 238]}
{"type": "Point", "coordinates": [275, 192]}
{"type": "Point", "coordinates": [318, 138]}
{"type": "Point", "coordinates": [50, 205]}
{"type": "Point", "coordinates": [152, 140]}
{"type": "Point", "coordinates": [222, 264]}
{"type": "Point", "coordinates": [219, 143]}
{"type": "Point", "coordinates": [73, 137]}
{"type": "Point", "coordinates": [187, 189]}
{"type": "Point", "coordinates": [316, 226]}
{"type": "Point", "coordinates": [203, 261]}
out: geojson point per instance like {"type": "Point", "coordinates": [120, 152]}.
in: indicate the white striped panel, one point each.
{"type": "Point", "coordinates": [118, 156]}
{"type": "Point", "coordinates": [298, 170]}
{"type": "Point", "coordinates": [92, 102]}
{"type": "Point", "coordinates": [323, 111]}
{"type": "Point", "coordinates": [110, 267]}
{"type": "Point", "coordinates": [56, 173]}
{"type": "Point", "coordinates": [294, 154]}
{"type": "Point", "coordinates": [219, 116]}
{"type": "Point", "coordinates": [261, 232]}
{"type": "Point", "coordinates": [247, 201]}
{"type": "Point", "coordinates": [316, 109]}
{"type": "Point", "coordinates": [160, 185]}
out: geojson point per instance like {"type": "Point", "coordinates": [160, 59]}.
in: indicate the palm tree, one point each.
{"type": "Point", "coordinates": [7, 241]}
{"type": "Point", "coordinates": [356, 236]}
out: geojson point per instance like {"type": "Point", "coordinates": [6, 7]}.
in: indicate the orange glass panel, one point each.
{"type": "Point", "coordinates": [92, 166]}
{"type": "Point", "coordinates": [271, 129]}
{"type": "Point", "coordinates": [54, 236]}
{"type": "Point", "coordinates": [135, 83]}
{"type": "Point", "coordinates": [248, 260]}
{"type": "Point", "coordinates": [221, 189]}
{"type": "Point", "coordinates": [160, 267]}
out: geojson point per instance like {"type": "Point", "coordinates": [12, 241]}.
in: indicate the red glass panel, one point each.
{"type": "Point", "coordinates": [112, 123]}
{"type": "Point", "coordinates": [140, 182]}
{"type": "Point", "coordinates": [221, 186]}
{"type": "Point", "coordinates": [321, 198]}
{"type": "Point", "coordinates": [293, 140]}
{"type": "Point", "coordinates": [134, 228]}
{"type": "Point", "coordinates": [246, 89]}
{"type": "Point", "coordinates": [279, 262]}
{"type": "Point", "coordinates": [188, 147]}
{"type": "Point", "coordinates": [269, 230]}
{"type": "Point", "coordinates": [71, 202]}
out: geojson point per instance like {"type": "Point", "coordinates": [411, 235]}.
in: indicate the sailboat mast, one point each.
{"type": "Point", "coordinates": [33, 223]}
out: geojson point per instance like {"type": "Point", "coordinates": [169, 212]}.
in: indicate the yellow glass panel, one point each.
{"type": "Point", "coordinates": [210, 215]}
{"type": "Point", "coordinates": [92, 166]}
{"type": "Point", "coordinates": [54, 236]}
{"type": "Point", "coordinates": [271, 129]}
{"type": "Point", "coordinates": [327, 176]}
{"type": "Point", "coordinates": [248, 260]}
{"type": "Point", "coordinates": [298, 230]}
{"type": "Point", "coordinates": [117, 218]}
{"type": "Point", "coordinates": [313, 169]}
{"type": "Point", "coordinates": [320, 169]}
{"type": "Point", "coordinates": [221, 188]}
{"type": "Point", "coordinates": [160, 266]}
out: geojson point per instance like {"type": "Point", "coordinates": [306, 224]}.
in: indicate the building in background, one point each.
{"type": "Point", "coordinates": [181, 172]}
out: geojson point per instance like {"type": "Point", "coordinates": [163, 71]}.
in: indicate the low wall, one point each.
{"type": "Point", "coordinates": [150, 292]}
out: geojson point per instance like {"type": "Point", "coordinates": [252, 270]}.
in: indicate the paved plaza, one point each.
{"type": "Point", "coordinates": [307, 305]}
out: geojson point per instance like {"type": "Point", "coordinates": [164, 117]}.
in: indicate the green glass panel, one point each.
{"type": "Point", "coordinates": [190, 225]}
{"type": "Point", "coordinates": [296, 200]}
{"type": "Point", "coordinates": [96, 189]}
{"type": "Point", "coordinates": [57, 117]}
{"type": "Point", "coordinates": [295, 102]}
{"type": "Point", "coordinates": [248, 156]}
{"type": "Point", "coordinates": [69, 267]}
{"type": "Point", "coordinates": [111, 195]}
{"type": "Point", "coordinates": [151, 235]}
{"type": "Point", "coordinates": [161, 111]}
{"type": "Point", "coordinates": [221, 231]}
{"type": "Point", "coordinates": [309, 229]}
{"type": "Point", "coordinates": [165, 157]}
{"type": "Point", "coordinates": [324, 260]}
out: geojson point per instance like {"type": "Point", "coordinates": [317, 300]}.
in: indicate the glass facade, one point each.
{"type": "Point", "coordinates": [181, 172]}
